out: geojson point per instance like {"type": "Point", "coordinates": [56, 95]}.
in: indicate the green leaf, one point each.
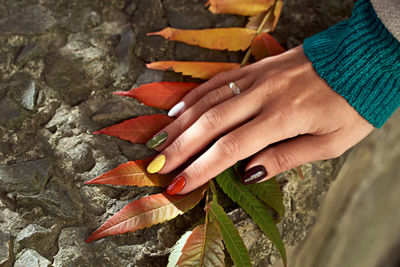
{"type": "Point", "coordinates": [230, 235]}
{"type": "Point", "coordinates": [177, 249]}
{"type": "Point", "coordinates": [253, 206]}
{"type": "Point", "coordinates": [203, 247]}
{"type": "Point", "coordinates": [270, 193]}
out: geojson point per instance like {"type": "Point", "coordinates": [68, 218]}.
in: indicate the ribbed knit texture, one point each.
{"type": "Point", "coordinates": [360, 59]}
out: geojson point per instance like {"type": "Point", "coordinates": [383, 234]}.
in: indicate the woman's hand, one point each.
{"type": "Point", "coordinates": [285, 116]}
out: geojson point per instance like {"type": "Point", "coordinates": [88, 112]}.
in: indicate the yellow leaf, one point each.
{"type": "Point", "coordinates": [270, 25]}
{"type": "Point", "coordinates": [232, 39]}
{"type": "Point", "coordinates": [202, 70]}
{"type": "Point", "coordinates": [239, 7]}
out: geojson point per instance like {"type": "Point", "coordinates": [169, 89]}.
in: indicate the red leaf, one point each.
{"type": "Point", "coordinates": [132, 173]}
{"type": "Point", "coordinates": [138, 130]}
{"type": "Point", "coordinates": [202, 70]}
{"type": "Point", "coordinates": [264, 45]}
{"type": "Point", "coordinates": [148, 211]}
{"type": "Point", "coordinates": [161, 94]}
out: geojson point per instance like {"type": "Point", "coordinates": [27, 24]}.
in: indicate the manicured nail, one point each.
{"type": "Point", "coordinates": [157, 140]}
{"type": "Point", "coordinates": [156, 164]}
{"type": "Point", "coordinates": [176, 109]}
{"type": "Point", "coordinates": [254, 174]}
{"type": "Point", "coordinates": [176, 186]}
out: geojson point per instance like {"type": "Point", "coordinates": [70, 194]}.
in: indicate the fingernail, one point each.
{"type": "Point", "coordinates": [176, 109]}
{"type": "Point", "coordinates": [156, 164]}
{"type": "Point", "coordinates": [254, 174]}
{"type": "Point", "coordinates": [176, 186]}
{"type": "Point", "coordinates": [157, 140]}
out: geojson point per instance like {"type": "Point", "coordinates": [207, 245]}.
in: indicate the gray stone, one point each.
{"type": "Point", "coordinates": [149, 76]}
{"type": "Point", "coordinates": [35, 237]}
{"type": "Point", "coordinates": [79, 19]}
{"type": "Point", "coordinates": [149, 48]}
{"type": "Point", "coordinates": [30, 258]}
{"type": "Point", "coordinates": [120, 108]}
{"type": "Point", "coordinates": [28, 100]}
{"type": "Point", "coordinates": [130, 8]}
{"type": "Point", "coordinates": [29, 176]}
{"type": "Point", "coordinates": [50, 201]}
{"type": "Point", "coordinates": [35, 19]}
{"type": "Point", "coordinates": [82, 157]}
{"type": "Point", "coordinates": [5, 243]}
{"type": "Point", "coordinates": [136, 151]}
{"type": "Point", "coordinates": [30, 52]}
{"type": "Point", "coordinates": [124, 52]}
{"type": "Point", "coordinates": [10, 113]}
{"type": "Point", "coordinates": [190, 14]}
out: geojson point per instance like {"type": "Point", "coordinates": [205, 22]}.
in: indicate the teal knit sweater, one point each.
{"type": "Point", "coordinates": [360, 59]}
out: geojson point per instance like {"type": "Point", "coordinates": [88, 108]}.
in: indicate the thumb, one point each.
{"type": "Point", "coordinates": [288, 154]}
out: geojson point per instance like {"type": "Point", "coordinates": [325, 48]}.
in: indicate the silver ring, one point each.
{"type": "Point", "coordinates": [234, 88]}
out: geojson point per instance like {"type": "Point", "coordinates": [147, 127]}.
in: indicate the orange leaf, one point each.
{"type": "Point", "coordinates": [202, 70]}
{"type": "Point", "coordinates": [269, 26]}
{"type": "Point", "coordinates": [138, 130]}
{"type": "Point", "coordinates": [148, 211]}
{"type": "Point", "coordinates": [239, 7]}
{"type": "Point", "coordinates": [264, 45]}
{"type": "Point", "coordinates": [132, 173]}
{"type": "Point", "coordinates": [203, 247]}
{"type": "Point", "coordinates": [161, 94]}
{"type": "Point", "coordinates": [233, 39]}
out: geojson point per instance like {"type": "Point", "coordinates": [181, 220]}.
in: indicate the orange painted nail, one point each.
{"type": "Point", "coordinates": [176, 186]}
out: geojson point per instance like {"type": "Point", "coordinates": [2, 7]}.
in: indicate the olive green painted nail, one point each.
{"type": "Point", "coordinates": [157, 140]}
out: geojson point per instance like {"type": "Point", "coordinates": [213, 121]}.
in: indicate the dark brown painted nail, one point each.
{"type": "Point", "coordinates": [254, 174]}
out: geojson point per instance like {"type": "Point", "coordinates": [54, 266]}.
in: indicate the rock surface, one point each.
{"type": "Point", "coordinates": [60, 63]}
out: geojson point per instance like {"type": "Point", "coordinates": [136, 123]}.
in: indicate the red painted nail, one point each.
{"type": "Point", "coordinates": [176, 186]}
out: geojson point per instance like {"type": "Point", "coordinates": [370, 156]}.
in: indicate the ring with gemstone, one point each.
{"type": "Point", "coordinates": [234, 88]}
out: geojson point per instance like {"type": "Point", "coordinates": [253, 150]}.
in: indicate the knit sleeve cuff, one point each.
{"type": "Point", "coordinates": [360, 59]}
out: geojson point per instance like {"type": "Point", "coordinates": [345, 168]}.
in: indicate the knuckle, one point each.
{"type": "Point", "coordinates": [331, 152]}
{"type": "Point", "coordinates": [282, 161]}
{"type": "Point", "coordinates": [229, 146]}
{"type": "Point", "coordinates": [212, 97]}
{"type": "Point", "coordinates": [211, 119]}
{"type": "Point", "coordinates": [195, 170]}
{"type": "Point", "coordinates": [196, 93]}
{"type": "Point", "coordinates": [180, 123]}
{"type": "Point", "coordinates": [177, 147]}
{"type": "Point", "coordinates": [220, 78]}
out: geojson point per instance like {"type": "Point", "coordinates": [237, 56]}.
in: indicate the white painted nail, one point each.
{"type": "Point", "coordinates": [176, 109]}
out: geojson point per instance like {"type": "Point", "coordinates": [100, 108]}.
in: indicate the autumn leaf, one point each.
{"type": "Point", "coordinates": [232, 39]}
{"type": "Point", "coordinates": [132, 173]}
{"type": "Point", "coordinates": [203, 247]}
{"type": "Point", "coordinates": [264, 45]}
{"type": "Point", "coordinates": [138, 130]}
{"type": "Point", "coordinates": [270, 25]}
{"type": "Point", "coordinates": [148, 211]}
{"type": "Point", "coordinates": [202, 70]}
{"type": "Point", "coordinates": [161, 94]}
{"type": "Point", "coordinates": [239, 7]}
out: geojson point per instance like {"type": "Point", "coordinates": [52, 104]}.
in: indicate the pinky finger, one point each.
{"type": "Point", "coordinates": [288, 154]}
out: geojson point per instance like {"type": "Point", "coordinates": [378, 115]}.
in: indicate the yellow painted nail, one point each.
{"type": "Point", "coordinates": [156, 164]}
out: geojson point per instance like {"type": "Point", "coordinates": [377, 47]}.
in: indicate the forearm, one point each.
{"type": "Point", "coordinates": [360, 59]}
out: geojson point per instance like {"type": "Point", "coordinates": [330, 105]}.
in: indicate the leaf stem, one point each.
{"type": "Point", "coordinates": [214, 191]}
{"type": "Point", "coordinates": [266, 17]}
